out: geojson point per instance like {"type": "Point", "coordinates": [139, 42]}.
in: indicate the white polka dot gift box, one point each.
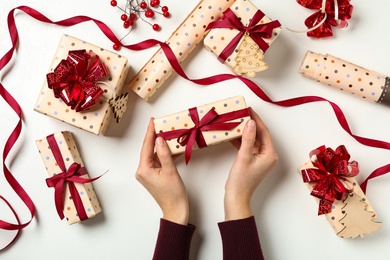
{"type": "Point", "coordinates": [203, 126]}
{"type": "Point", "coordinates": [346, 76]}
{"type": "Point", "coordinates": [74, 196]}
{"type": "Point", "coordinates": [84, 86]}
{"type": "Point", "coordinates": [182, 42]}
{"type": "Point", "coordinates": [330, 178]}
{"type": "Point", "coordinates": [241, 37]}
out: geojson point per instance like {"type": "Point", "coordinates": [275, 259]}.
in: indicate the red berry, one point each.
{"type": "Point", "coordinates": [164, 9]}
{"type": "Point", "coordinates": [149, 13]}
{"type": "Point", "coordinates": [115, 46]}
{"type": "Point", "coordinates": [124, 17]}
{"type": "Point", "coordinates": [157, 2]}
{"type": "Point", "coordinates": [126, 24]}
{"type": "Point", "coordinates": [132, 16]}
{"type": "Point", "coordinates": [143, 5]}
{"type": "Point", "coordinates": [156, 27]}
{"type": "Point", "coordinates": [166, 14]}
{"type": "Point", "coordinates": [153, 4]}
{"type": "Point", "coordinates": [113, 3]}
{"type": "Point", "coordinates": [131, 22]}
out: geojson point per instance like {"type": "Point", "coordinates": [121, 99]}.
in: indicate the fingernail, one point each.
{"type": "Point", "coordinates": [251, 124]}
{"type": "Point", "coordinates": [160, 141]}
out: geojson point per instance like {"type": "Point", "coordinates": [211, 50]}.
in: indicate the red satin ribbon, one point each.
{"type": "Point", "coordinates": [74, 79]}
{"type": "Point", "coordinates": [211, 121]}
{"type": "Point", "coordinates": [329, 176]}
{"type": "Point", "coordinates": [256, 31]}
{"type": "Point", "coordinates": [68, 177]}
{"type": "Point", "coordinates": [325, 30]}
{"type": "Point", "coordinates": [177, 67]}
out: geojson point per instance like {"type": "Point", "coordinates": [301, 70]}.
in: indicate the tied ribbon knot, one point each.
{"type": "Point", "coordinates": [68, 177]}
{"type": "Point", "coordinates": [74, 79]}
{"type": "Point", "coordinates": [329, 176]}
{"type": "Point", "coordinates": [256, 31]}
{"type": "Point", "coordinates": [211, 121]}
{"type": "Point", "coordinates": [331, 13]}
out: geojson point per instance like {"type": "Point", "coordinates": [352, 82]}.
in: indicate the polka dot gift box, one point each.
{"type": "Point", "coordinates": [182, 42]}
{"type": "Point", "coordinates": [97, 118]}
{"type": "Point", "coordinates": [346, 76]}
{"type": "Point", "coordinates": [241, 37]}
{"type": "Point", "coordinates": [202, 126]}
{"type": "Point", "coordinates": [329, 176]}
{"type": "Point", "coordinates": [60, 151]}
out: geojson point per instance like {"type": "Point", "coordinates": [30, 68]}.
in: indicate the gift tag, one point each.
{"type": "Point", "coordinates": [119, 106]}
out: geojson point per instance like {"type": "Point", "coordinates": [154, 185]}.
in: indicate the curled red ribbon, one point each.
{"type": "Point", "coordinates": [68, 177]}
{"type": "Point", "coordinates": [325, 30]}
{"type": "Point", "coordinates": [256, 31]}
{"type": "Point", "coordinates": [211, 121]}
{"type": "Point", "coordinates": [74, 79]}
{"type": "Point", "coordinates": [329, 176]}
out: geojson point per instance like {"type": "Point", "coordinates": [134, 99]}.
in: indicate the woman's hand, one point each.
{"type": "Point", "coordinates": [256, 156]}
{"type": "Point", "coordinates": [158, 174]}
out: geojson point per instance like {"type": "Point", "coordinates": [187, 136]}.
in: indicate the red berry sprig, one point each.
{"type": "Point", "coordinates": [135, 9]}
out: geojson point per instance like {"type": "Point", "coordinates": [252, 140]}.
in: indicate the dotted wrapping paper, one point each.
{"type": "Point", "coordinates": [70, 155]}
{"type": "Point", "coordinates": [217, 39]}
{"type": "Point", "coordinates": [98, 117]}
{"type": "Point", "coordinates": [182, 120]}
{"type": "Point", "coordinates": [352, 217]}
{"type": "Point", "coordinates": [183, 40]}
{"type": "Point", "coordinates": [346, 76]}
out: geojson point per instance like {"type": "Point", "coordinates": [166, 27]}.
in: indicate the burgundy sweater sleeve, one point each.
{"type": "Point", "coordinates": [240, 239]}
{"type": "Point", "coordinates": [173, 241]}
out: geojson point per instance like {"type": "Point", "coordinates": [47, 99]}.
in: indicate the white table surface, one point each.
{"type": "Point", "coordinates": [286, 214]}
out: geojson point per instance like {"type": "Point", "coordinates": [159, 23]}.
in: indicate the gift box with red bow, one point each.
{"type": "Point", "coordinates": [203, 126]}
{"type": "Point", "coordinates": [74, 196]}
{"type": "Point", "coordinates": [84, 86]}
{"type": "Point", "coordinates": [241, 37]}
{"type": "Point", "coordinates": [330, 177]}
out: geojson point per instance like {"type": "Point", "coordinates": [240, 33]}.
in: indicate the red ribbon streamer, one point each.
{"type": "Point", "coordinates": [176, 66]}
{"type": "Point", "coordinates": [256, 31]}
{"type": "Point", "coordinates": [329, 176]}
{"type": "Point", "coordinates": [211, 121]}
{"type": "Point", "coordinates": [74, 79]}
{"type": "Point", "coordinates": [68, 177]}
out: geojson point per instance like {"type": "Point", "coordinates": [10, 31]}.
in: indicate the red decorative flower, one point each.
{"type": "Point", "coordinates": [325, 18]}
{"type": "Point", "coordinates": [329, 176]}
{"type": "Point", "coordinates": [74, 79]}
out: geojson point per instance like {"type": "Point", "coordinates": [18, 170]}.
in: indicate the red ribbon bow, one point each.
{"type": "Point", "coordinates": [256, 31]}
{"type": "Point", "coordinates": [74, 79]}
{"type": "Point", "coordinates": [332, 167]}
{"type": "Point", "coordinates": [211, 121]}
{"type": "Point", "coordinates": [66, 177]}
{"type": "Point", "coordinates": [325, 29]}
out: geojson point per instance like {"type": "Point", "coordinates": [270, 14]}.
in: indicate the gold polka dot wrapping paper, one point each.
{"type": "Point", "coordinates": [182, 42]}
{"type": "Point", "coordinates": [246, 50]}
{"type": "Point", "coordinates": [346, 76]}
{"type": "Point", "coordinates": [97, 118]}
{"type": "Point", "coordinates": [70, 155]}
{"type": "Point", "coordinates": [182, 120]}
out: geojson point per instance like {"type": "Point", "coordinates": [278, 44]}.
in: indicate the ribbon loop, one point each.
{"type": "Point", "coordinates": [329, 176]}
{"type": "Point", "coordinates": [74, 79]}
{"type": "Point", "coordinates": [256, 31]}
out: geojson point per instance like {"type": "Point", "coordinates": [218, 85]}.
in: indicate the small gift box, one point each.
{"type": "Point", "coordinates": [202, 126]}
{"type": "Point", "coordinates": [330, 177]}
{"type": "Point", "coordinates": [74, 194]}
{"type": "Point", "coordinates": [84, 85]}
{"type": "Point", "coordinates": [241, 37]}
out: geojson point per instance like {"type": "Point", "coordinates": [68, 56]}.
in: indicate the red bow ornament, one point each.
{"type": "Point", "coordinates": [330, 176]}
{"type": "Point", "coordinates": [330, 13]}
{"type": "Point", "coordinates": [74, 79]}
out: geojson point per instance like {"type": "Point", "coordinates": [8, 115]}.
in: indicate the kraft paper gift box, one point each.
{"type": "Point", "coordinates": [97, 118]}
{"type": "Point", "coordinates": [326, 175]}
{"type": "Point", "coordinates": [59, 151]}
{"type": "Point", "coordinates": [245, 48]}
{"type": "Point", "coordinates": [203, 126]}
